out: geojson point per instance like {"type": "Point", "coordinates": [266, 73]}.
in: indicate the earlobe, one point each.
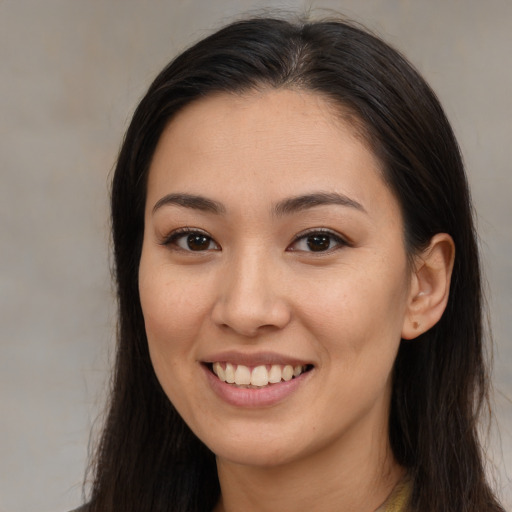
{"type": "Point", "coordinates": [430, 286]}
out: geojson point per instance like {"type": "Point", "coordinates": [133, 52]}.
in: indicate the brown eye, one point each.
{"type": "Point", "coordinates": [198, 242]}
{"type": "Point", "coordinates": [318, 242]}
{"type": "Point", "coordinates": [191, 241]}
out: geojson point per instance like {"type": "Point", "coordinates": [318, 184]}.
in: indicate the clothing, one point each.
{"type": "Point", "coordinates": [396, 502]}
{"type": "Point", "coordinates": [399, 497]}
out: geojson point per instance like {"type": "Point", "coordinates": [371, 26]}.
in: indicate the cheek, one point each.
{"type": "Point", "coordinates": [169, 317]}
{"type": "Point", "coordinates": [358, 311]}
{"type": "Point", "coordinates": [357, 299]}
{"type": "Point", "coordinates": [171, 302]}
{"type": "Point", "coordinates": [170, 310]}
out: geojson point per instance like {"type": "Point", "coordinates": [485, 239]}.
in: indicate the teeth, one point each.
{"type": "Point", "coordinates": [229, 373]}
{"type": "Point", "coordinates": [287, 372]}
{"type": "Point", "coordinates": [275, 373]}
{"type": "Point", "coordinates": [259, 376]}
{"type": "Point", "coordinates": [219, 371]}
{"type": "Point", "coordinates": [242, 375]}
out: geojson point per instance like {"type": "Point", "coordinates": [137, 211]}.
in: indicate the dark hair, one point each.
{"type": "Point", "coordinates": [148, 459]}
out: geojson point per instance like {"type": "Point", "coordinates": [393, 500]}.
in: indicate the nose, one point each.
{"type": "Point", "coordinates": [251, 298]}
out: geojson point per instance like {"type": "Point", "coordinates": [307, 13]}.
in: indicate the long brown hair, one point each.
{"type": "Point", "coordinates": [148, 459]}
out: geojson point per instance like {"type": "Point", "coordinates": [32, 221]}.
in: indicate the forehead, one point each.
{"type": "Point", "coordinates": [264, 144]}
{"type": "Point", "coordinates": [282, 114]}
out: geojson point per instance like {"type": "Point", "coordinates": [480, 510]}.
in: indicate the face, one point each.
{"type": "Point", "coordinates": [273, 278]}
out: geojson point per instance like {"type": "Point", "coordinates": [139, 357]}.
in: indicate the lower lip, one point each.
{"type": "Point", "coordinates": [253, 397]}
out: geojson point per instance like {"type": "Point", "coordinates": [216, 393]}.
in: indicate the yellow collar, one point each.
{"type": "Point", "coordinates": [399, 497]}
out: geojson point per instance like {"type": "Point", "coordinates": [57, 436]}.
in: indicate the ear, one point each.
{"type": "Point", "coordinates": [430, 286]}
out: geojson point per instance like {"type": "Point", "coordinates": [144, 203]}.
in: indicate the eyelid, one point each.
{"type": "Point", "coordinates": [341, 240]}
{"type": "Point", "coordinates": [174, 235]}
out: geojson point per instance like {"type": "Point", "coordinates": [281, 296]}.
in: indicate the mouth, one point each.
{"type": "Point", "coordinates": [256, 377]}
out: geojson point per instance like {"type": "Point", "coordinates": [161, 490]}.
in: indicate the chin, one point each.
{"type": "Point", "coordinates": [258, 458]}
{"type": "Point", "coordinates": [255, 450]}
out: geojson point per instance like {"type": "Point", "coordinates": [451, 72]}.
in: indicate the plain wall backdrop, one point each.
{"type": "Point", "coordinates": [71, 75]}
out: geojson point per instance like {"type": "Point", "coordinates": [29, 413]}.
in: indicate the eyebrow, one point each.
{"type": "Point", "coordinates": [191, 201]}
{"type": "Point", "coordinates": [304, 202]}
{"type": "Point", "coordinates": [285, 207]}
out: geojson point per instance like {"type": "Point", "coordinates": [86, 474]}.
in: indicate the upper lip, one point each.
{"type": "Point", "coordinates": [256, 359]}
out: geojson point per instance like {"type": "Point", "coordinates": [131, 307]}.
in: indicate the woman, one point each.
{"type": "Point", "coordinates": [299, 291]}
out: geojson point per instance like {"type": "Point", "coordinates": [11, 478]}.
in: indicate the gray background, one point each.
{"type": "Point", "coordinates": [71, 74]}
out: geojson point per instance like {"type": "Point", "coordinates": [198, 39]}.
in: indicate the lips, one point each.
{"type": "Point", "coordinates": [256, 376]}
{"type": "Point", "coordinates": [259, 379]}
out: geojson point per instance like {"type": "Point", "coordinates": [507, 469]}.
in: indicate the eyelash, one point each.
{"type": "Point", "coordinates": [333, 237]}
{"type": "Point", "coordinates": [172, 239]}
{"type": "Point", "coordinates": [175, 236]}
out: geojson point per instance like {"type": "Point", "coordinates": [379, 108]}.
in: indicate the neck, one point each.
{"type": "Point", "coordinates": [345, 475]}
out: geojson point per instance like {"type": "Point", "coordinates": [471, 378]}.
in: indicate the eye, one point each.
{"type": "Point", "coordinates": [317, 241]}
{"type": "Point", "coordinates": [191, 240]}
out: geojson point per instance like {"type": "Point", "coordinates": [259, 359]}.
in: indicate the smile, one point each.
{"type": "Point", "coordinates": [258, 376]}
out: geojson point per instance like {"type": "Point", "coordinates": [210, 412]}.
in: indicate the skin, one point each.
{"type": "Point", "coordinates": [255, 286]}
